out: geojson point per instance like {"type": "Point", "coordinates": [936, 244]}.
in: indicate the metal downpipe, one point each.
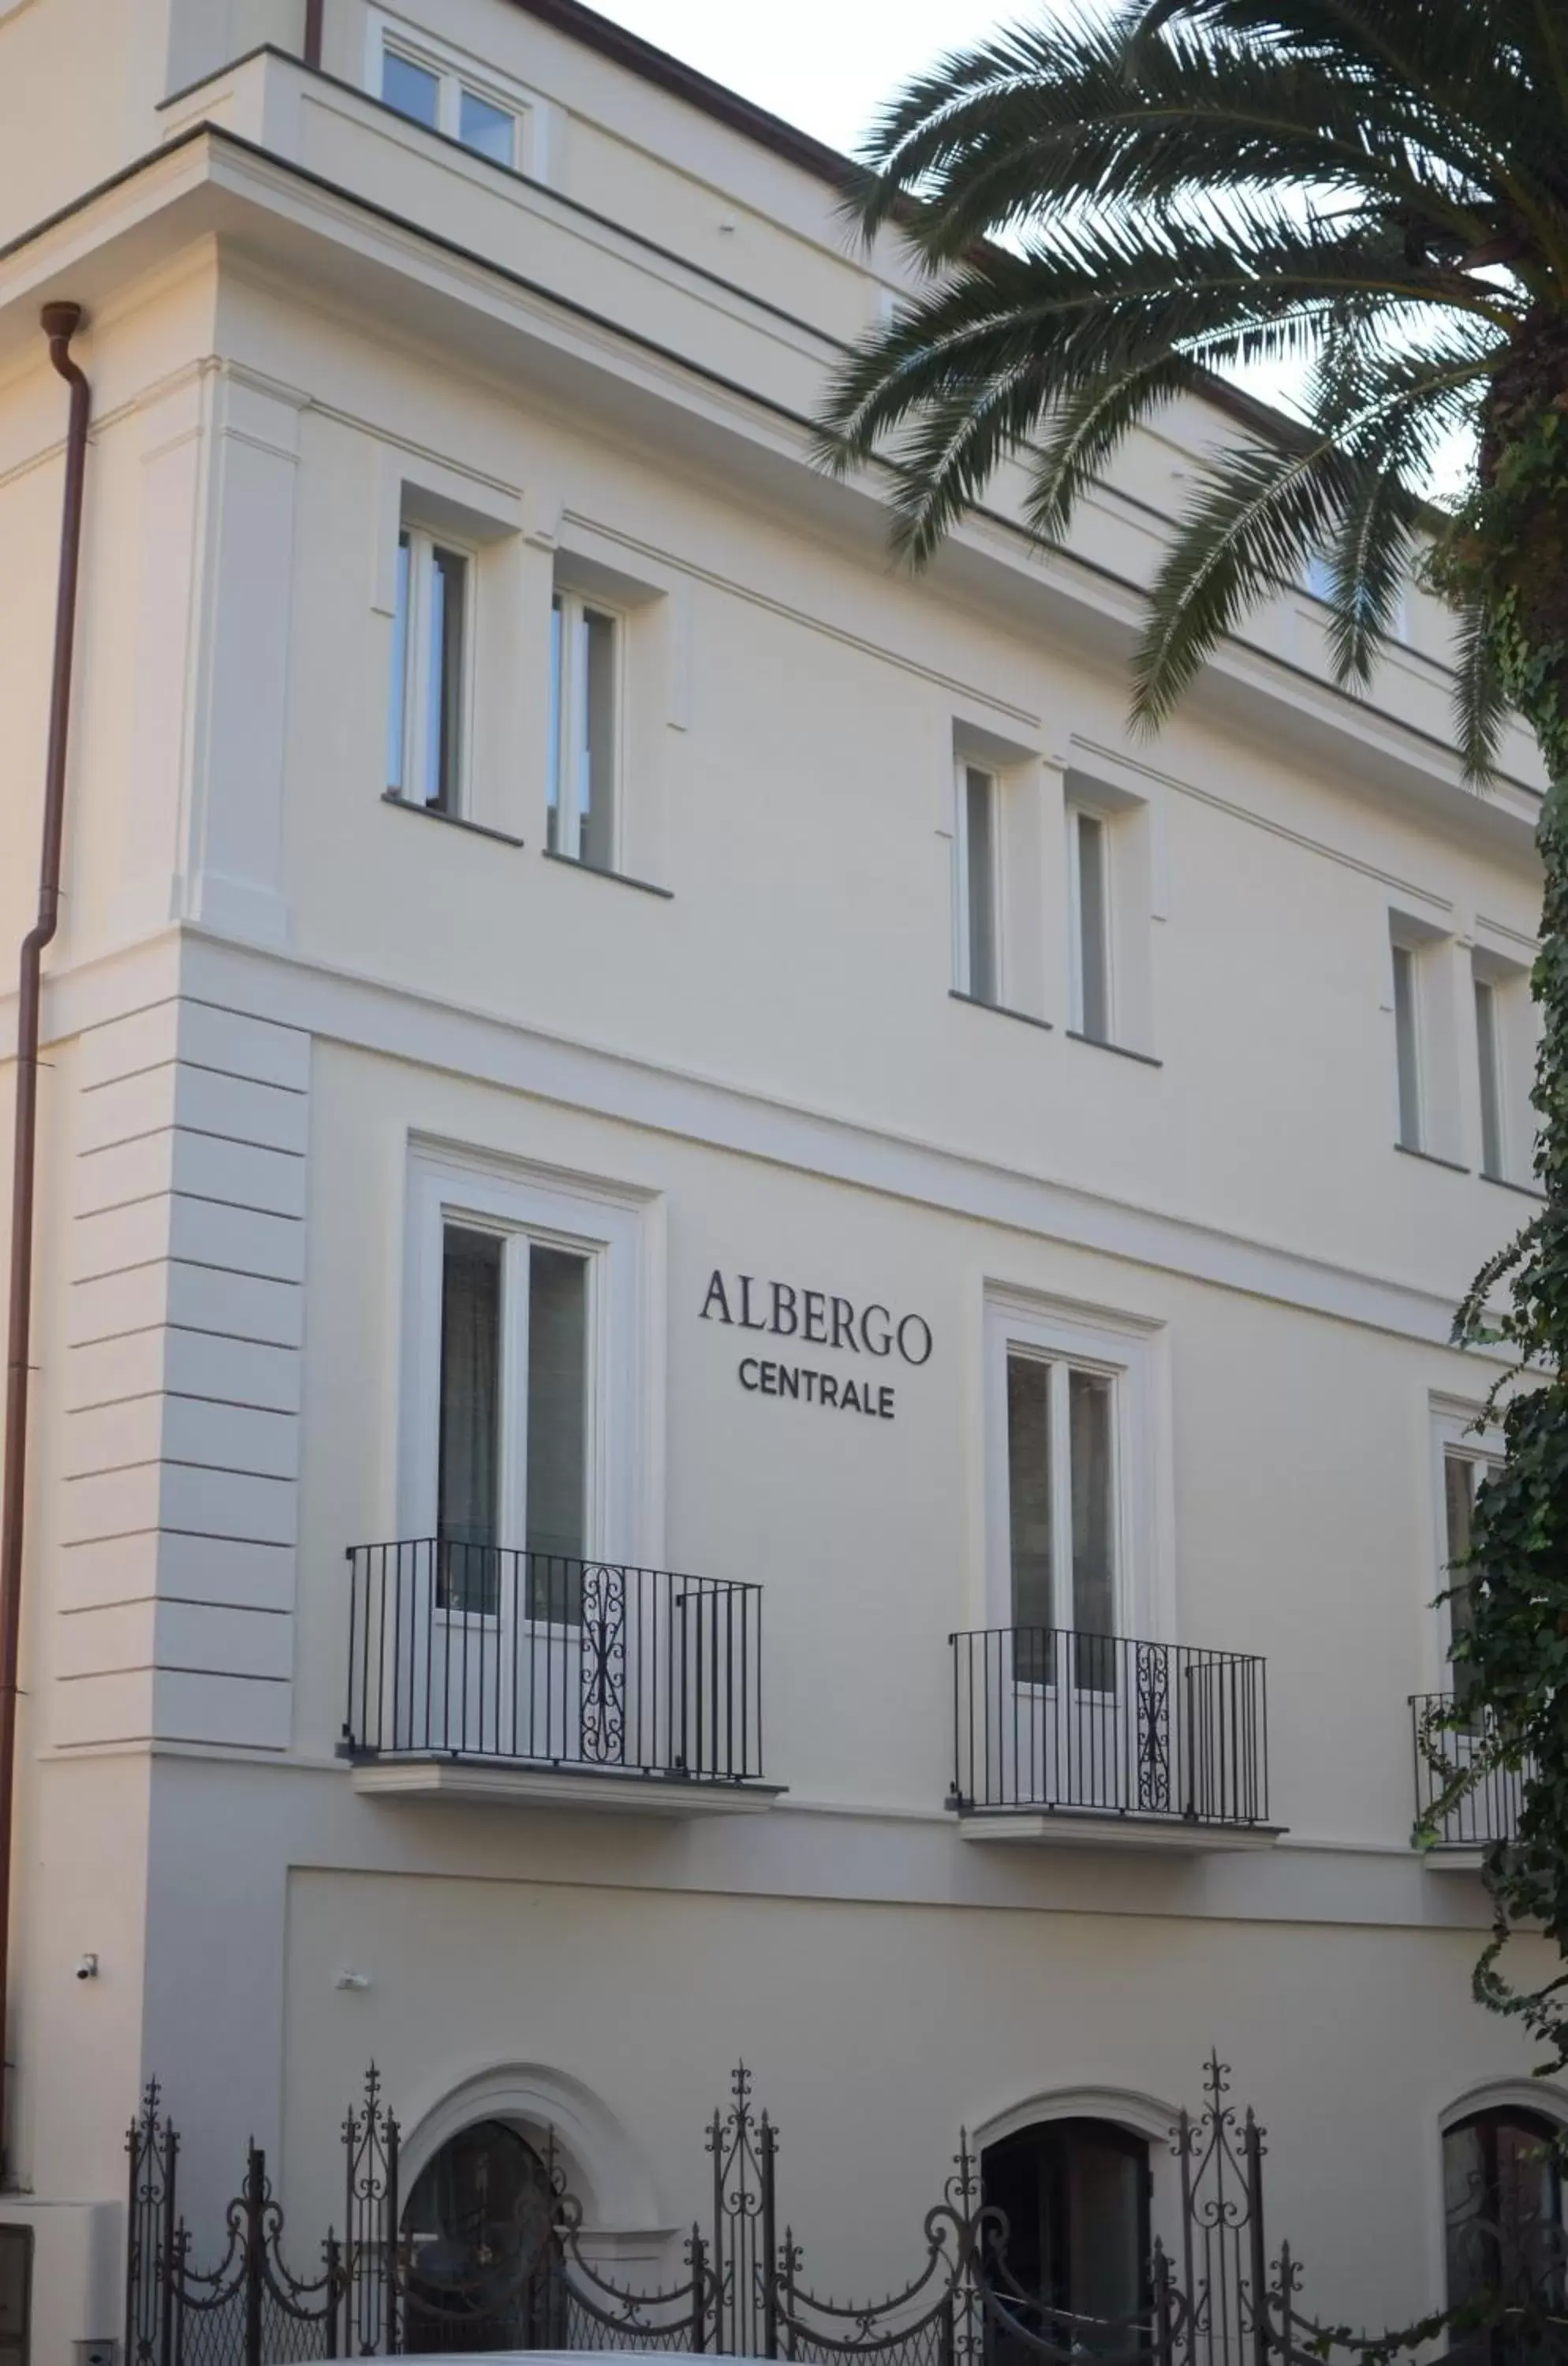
{"type": "Point", "coordinates": [60, 323]}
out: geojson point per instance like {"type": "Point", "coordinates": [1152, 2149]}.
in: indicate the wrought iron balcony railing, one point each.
{"type": "Point", "coordinates": [1491, 1811]}
{"type": "Point", "coordinates": [1047, 1719]}
{"type": "Point", "coordinates": [470, 1651]}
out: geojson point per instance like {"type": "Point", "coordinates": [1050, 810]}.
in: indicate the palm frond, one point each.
{"type": "Point", "coordinates": [1480, 704]}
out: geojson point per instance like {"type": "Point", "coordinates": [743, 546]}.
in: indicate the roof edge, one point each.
{"type": "Point", "coordinates": [700, 90]}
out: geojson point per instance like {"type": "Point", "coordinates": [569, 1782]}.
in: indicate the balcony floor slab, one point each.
{"type": "Point", "coordinates": [1086, 1828]}
{"type": "Point", "coordinates": [519, 1785]}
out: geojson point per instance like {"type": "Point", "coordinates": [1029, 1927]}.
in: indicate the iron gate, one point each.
{"type": "Point", "coordinates": [1217, 2300]}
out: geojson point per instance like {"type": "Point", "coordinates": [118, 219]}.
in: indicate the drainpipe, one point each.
{"type": "Point", "coordinates": [313, 32]}
{"type": "Point", "coordinates": [60, 323]}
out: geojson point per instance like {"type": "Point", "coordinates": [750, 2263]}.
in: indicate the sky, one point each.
{"type": "Point", "coordinates": [824, 65]}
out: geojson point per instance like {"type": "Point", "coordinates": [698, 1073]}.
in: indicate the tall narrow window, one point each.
{"type": "Point", "coordinates": [1407, 1047]}
{"type": "Point", "coordinates": [1061, 1487]}
{"type": "Point", "coordinates": [1028, 1516]}
{"type": "Point", "coordinates": [1088, 871]}
{"type": "Point", "coordinates": [1461, 1474]}
{"type": "Point", "coordinates": [428, 693]}
{"type": "Point", "coordinates": [976, 883]}
{"type": "Point", "coordinates": [558, 1430]}
{"type": "Point", "coordinates": [468, 1496]}
{"type": "Point", "coordinates": [584, 666]}
{"type": "Point", "coordinates": [1490, 1077]}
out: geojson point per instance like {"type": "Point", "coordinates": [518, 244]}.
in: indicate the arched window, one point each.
{"type": "Point", "coordinates": [1076, 2194]}
{"type": "Point", "coordinates": [1503, 2204]}
{"type": "Point", "coordinates": [480, 2253]}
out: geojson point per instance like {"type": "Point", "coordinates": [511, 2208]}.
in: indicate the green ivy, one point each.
{"type": "Point", "coordinates": [1508, 551]}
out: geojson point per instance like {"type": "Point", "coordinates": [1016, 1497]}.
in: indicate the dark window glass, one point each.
{"type": "Point", "coordinates": [469, 1465]}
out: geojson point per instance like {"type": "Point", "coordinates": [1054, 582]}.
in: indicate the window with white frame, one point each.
{"type": "Point", "coordinates": [1504, 1058]}
{"type": "Point", "coordinates": [976, 896]}
{"type": "Point", "coordinates": [1090, 922]}
{"type": "Point", "coordinates": [446, 94]}
{"type": "Point", "coordinates": [1061, 1513]}
{"type": "Point", "coordinates": [1073, 1503]}
{"type": "Point", "coordinates": [1407, 1045]}
{"type": "Point", "coordinates": [1464, 1459]}
{"type": "Point", "coordinates": [517, 1391]}
{"type": "Point", "coordinates": [1423, 977]}
{"type": "Point", "coordinates": [583, 779]}
{"type": "Point", "coordinates": [428, 696]}
{"type": "Point", "coordinates": [1489, 1074]}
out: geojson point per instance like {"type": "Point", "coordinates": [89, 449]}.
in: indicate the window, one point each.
{"type": "Point", "coordinates": [974, 884]}
{"type": "Point", "coordinates": [1504, 1057]}
{"type": "Point", "coordinates": [429, 90]}
{"type": "Point", "coordinates": [1503, 2211]}
{"type": "Point", "coordinates": [1488, 1055]}
{"type": "Point", "coordinates": [1407, 1047]}
{"type": "Point", "coordinates": [428, 700]}
{"type": "Point", "coordinates": [1075, 2197]}
{"type": "Point", "coordinates": [1061, 1517]}
{"type": "Point", "coordinates": [585, 709]}
{"type": "Point", "coordinates": [1089, 869]}
{"type": "Point", "coordinates": [513, 1374]}
{"type": "Point", "coordinates": [1464, 1468]}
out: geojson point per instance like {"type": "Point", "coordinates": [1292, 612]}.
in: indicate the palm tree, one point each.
{"type": "Point", "coordinates": [1373, 193]}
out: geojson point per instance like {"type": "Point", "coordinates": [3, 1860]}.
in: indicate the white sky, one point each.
{"type": "Point", "coordinates": [827, 66]}
{"type": "Point", "coordinates": [824, 65]}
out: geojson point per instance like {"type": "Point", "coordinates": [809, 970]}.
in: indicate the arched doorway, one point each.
{"type": "Point", "coordinates": [1076, 2194]}
{"type": "Point", "coordinates": [1502, 2201]}
{"type": "Point", "coordinates": [481, 2254]}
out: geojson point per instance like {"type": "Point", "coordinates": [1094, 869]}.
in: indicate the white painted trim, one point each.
{"type": "Point", "coordinates": [587, 1791]}
{"type": "Point", "coordinates": [605, 2168]}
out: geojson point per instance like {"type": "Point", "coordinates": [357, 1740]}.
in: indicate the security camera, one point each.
{"type": "Point", "coordinates": [87, 1967]}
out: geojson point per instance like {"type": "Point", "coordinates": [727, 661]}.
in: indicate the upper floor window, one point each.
{"type": "Point", "coordinates": [438, 90]}
{"type": "Point", "coordinates": [1089, 874]}
{"type": "Point", "coordinates": [1430, 1101]}
{"type": "Point", "coordinates": [1408, 1046]}
{"type": "Point", "coordinates": [1504, 1046]}
{"type": "Point", "coordinates": [1061, 1509]}
{"type": "Point", "coordinates": [428, 693]}
{"type": "Point", "coordinates": [976, 883]}
{"type": "Point", "coordinates": [1465, 1461]}
{"type": "Point", "coordinates": [584, 726]}
{"type": "Point", "coordinates": [1503, 2222]}
{"type": "Point", "coordinates": [511, 1452]}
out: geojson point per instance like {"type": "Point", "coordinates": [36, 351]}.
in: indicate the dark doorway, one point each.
{"type": "Point", "coordinates": [1076, 2195]}
{"type": "Point", "coordinates": [478, 2223]}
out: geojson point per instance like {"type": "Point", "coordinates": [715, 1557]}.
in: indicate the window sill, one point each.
{"type": "Point", "coordinates": [1122, 1051]}
{"type": "Point", "coordinates": [1431, 1158]}
{"type": "Point", "coordinates": [453, 821]}
{"type": "Point", "coordinates": [979, 1002]}
{"type": "Point", "coordinates": [1526, 1190]}
{"type": "Point", "coordinates": [597, 871]}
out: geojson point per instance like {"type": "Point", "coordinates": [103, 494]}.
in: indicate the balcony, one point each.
{"type": "Point", "coordinates": [481, 1674]}
{"type": "Point", "coordinates": [1489, 1812]}
{"type": "Point", "coordinates": [1102, 1740]}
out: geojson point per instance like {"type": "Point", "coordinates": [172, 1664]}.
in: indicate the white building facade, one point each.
{"type": "Point", "coordinates": [815, 1108]}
